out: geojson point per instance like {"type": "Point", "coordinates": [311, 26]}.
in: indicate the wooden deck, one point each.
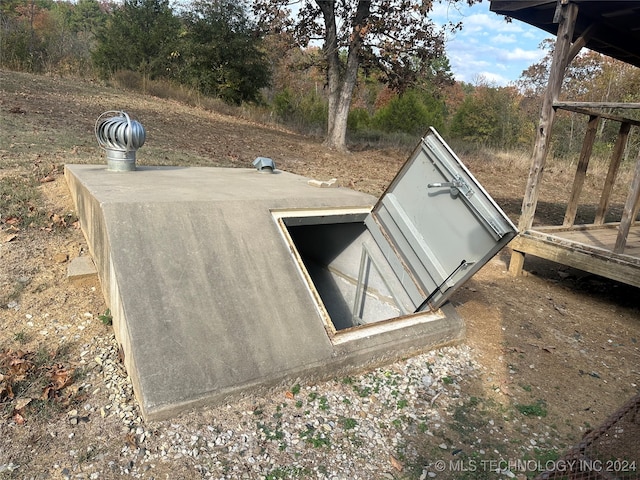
{"type": "Point", "coordinates": [585, 247]}
{"type": "Point", "coordinates": [609, 250]}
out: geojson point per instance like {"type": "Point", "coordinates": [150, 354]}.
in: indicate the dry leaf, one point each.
{"type": "Point", "coordinates": [396, 463]}
{"type": "Point", "coordinates": [6, 391]}
{"type": "Point", "coordinates": [19, 365]}
{"type": "Point", "coordinates": [48, 392]}
{"type": "Point", "coordinates": [131, 440]}
{"type": "Point", "coordinates": [18, 418]}
{"type": "Point", "coordinates": [46, 179]}
{"type": "Point", "coordinates": [57, 220]}
{"type": "Point", "coordinates": [21, 403]}
{"type": "Point", "coordinates": [10, 238]}
{"type": "Point", "coordinates": [59, 378]}
{"type": "Point", "coordinates": [289, 395]}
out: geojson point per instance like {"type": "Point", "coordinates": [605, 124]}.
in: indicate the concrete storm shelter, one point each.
{"type": "Point", "coordinates": [221, 280]}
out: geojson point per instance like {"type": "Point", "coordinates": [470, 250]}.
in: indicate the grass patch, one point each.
{"type": "Point", "coordinates": [348, 423]}
{"type": "Point", "coordinates": [21, 337]}
{"type": "Point", "coordinates": [106, 318]}
{"type": "Point", "coordinates": [269, 433]}
{"type": "Point", "coordinates": [542, 457]}
{"type": "Point", "coordinates": [362, 391]}
{"type": "Point", "coordinates": [324, 404]}
{"type": "Point", "coordinates": [537, 409]}
{"type": "Point", "coordinates": [13, 295]}
{"type": "Point", "coordinates": [287, 472]}
{"type": "Point", "coordinates": [21, 203]}
{"type": "Point", "coordinates": [315, 438]}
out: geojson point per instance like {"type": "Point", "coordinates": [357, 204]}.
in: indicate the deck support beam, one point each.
{"type": "Point", "coordinates": [581, 170]}
{"type": "Point", "coordinates": [616, 158]}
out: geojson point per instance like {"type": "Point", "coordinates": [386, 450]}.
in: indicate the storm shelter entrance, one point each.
{"type": "Point", "coordinates": [430, 231]}
{"type": "Point", "coordinates": [351, 281]}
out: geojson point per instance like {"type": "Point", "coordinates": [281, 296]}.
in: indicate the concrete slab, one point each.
{"type": "Point", "coordinates": [81, 269]}
{"type": "Point", "coordinates": [207, 296]}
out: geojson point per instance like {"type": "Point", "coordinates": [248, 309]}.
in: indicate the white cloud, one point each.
{"type": "Point", "coordinates": [502, 39]}
{"type": "Point", "coordinates": [518, 54]}
{"type": "Point", "coordinates": [488, 46]}
{"type": "Point", "coordinates": [493, 78]}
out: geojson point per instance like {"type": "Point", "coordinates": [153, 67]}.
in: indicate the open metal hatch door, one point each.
{"type": "Point", "coordinates": [436, 225]}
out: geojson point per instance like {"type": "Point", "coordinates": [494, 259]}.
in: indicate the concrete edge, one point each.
{"type": "Point", "coordinates": [447, 330]}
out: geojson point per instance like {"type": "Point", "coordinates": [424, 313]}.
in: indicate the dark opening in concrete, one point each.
{"type": "Point", "coordinates": [346, 272]}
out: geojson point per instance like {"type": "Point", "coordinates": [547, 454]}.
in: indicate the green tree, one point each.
{"type": "Point", "coordinates": [21, 44]}
{"type": "Point", "coordinates": [140, 36]}
{"type": "Point", "coordinates": [43, 35]}
{"type": "Point", "coordinates": [68, 35]}
{"type": "Point", "coordinates": [87, 17]}
{"type": "Point", "coordinates": [412, 112]}
{"type": "Point", "coordinates": [491, 116]}
{"type": "Point", "coordinates": [220, 53]}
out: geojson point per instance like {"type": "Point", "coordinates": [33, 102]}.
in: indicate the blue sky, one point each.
{"type": "Point", "coordinates": [488, 47]}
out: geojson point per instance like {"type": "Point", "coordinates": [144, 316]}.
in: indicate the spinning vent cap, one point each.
{"type": "Point", "coordinates": [120, 137]}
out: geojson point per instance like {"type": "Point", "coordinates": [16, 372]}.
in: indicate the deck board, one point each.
{"type": "Point", "coordinates": [586, 247]}
{"type": "Point", "coordinates": [604, 237]}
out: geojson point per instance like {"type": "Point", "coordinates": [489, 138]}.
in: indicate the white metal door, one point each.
{"type": "Point", "coordinates": [436, 225]}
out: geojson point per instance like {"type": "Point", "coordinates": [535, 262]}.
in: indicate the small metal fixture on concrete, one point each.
{"type": "Point", "coordinates": [120, 137]}
{"type": "Point", "coordinates": [264, 164]}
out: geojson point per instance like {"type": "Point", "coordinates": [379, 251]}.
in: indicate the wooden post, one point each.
{"type": "Point", "coordinates": [614, 165]}
{"type": "Point", "coordinates": [630, 210]}
{"type": "Point", "coordinates": [566, 14]}
{"type": "Point", "coordinates": [581, 170]}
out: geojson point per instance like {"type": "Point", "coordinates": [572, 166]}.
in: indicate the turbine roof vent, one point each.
{"type": "Point", "coordinates": [120, 137]}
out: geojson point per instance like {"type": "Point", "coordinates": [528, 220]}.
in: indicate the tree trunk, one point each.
{"type": "Point", "coordinates": [341, 86]}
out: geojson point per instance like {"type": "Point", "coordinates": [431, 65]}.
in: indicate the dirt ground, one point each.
{"type": "Point", "coordinates": [554, 337]}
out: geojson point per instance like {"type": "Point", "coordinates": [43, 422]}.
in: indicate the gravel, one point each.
{"type": "Point", "coordinates": [357, 427]}
{"type": "Point", "coordinates": [354, 427]}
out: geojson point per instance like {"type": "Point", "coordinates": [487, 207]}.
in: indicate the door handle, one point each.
{"type": "Point", "coordinates": [457, 185]}
{"type": "Point", "coordinates": [442, 184]}
{"type": "Point", "coordinates": [454, 186]}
